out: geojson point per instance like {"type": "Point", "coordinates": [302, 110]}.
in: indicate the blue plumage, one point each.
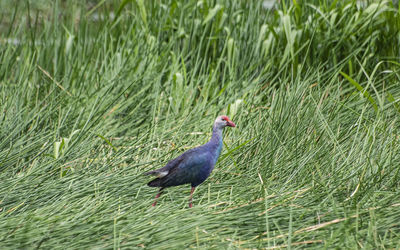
{"type": "Point", "coordinates": [193, 166]}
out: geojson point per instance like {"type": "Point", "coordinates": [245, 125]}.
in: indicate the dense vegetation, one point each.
{"type": "Point", "coordinates": [94, 93]}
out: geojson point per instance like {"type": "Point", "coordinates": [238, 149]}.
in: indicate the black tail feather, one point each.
{"type": "Point", "coordinates": [150, 173]}
{"type": "Point", "coordinates": [155, 183]}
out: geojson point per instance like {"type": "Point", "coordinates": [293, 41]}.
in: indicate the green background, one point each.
{"type": "Point", "coordinates": [94, 93]}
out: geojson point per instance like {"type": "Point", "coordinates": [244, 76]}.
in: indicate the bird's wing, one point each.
{"type": "Point", "coordinates": [171, 165]}
{"type": "Point", "coordinates": [188, 170]}
{"type": "Point", "coordinates": [185, 162]}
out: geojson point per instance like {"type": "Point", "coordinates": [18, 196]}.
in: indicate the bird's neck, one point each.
{"type": "Point", "coordinates": [216, 140]}
{"type": "Point", "coordinates": [217, 135]}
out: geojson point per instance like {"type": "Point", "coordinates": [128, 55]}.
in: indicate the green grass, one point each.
{"type": "Point", "coordinates": [93, 94]}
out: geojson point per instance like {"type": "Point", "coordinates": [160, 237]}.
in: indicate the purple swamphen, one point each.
{"type": "Point", "coordinates": [194, 165]}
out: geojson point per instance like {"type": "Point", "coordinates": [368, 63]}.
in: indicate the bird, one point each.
{"type": "Point", "coordinates": [193, 166]}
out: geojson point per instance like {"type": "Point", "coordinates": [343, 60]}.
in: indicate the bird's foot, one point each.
{"type": "Point", "coordinates": [154, 204]}
{"type": "Point", "coordinates": [190, 205]}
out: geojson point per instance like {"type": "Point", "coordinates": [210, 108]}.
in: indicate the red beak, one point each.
{"type": "Point", "coordinates": [230, 124]}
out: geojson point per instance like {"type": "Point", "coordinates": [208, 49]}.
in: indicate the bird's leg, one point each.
{"type": "Point", "coordinates": [157, 196]}
{"type": "Point", "coordinates": [190, 198]}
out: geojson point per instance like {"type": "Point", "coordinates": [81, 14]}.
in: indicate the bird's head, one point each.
{"type": "Point", "coordinates": [223, 121]}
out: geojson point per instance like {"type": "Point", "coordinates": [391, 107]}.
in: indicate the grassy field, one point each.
{"type": "Point", "coordinates": [94, 93]}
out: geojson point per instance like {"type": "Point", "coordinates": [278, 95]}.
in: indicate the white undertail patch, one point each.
{"type": "Point", "coordinates": [162, 174]}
